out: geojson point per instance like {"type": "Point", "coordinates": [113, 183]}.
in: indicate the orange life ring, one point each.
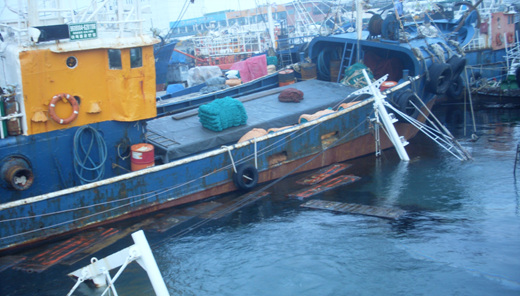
{"type": "Point", "coordinates": [498, 39]}
{"type": "Point", "coordinates": [510, 37]}
{"type": "Point", "coordinates": [73, 102]}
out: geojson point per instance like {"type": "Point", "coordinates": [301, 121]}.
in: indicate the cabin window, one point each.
{"type": "Point", "coordinates": [72, 62]}
{"type": "Point", "coordinates": [114, 59]}
{"type": "Point", "coordinates": [136, 57]}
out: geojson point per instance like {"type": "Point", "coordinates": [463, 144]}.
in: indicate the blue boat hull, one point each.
{"type": "Point", "coordinates": [186, 180]}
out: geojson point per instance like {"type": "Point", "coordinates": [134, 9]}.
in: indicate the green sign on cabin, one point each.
{"type": "Point", "coordinates": [83, 31]}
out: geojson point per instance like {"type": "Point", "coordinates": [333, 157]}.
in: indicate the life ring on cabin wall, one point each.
{"type": "Point", "coordinates": [498, 39]}
{"type": "Point", "coordinates": [246, 177]}
{"type": "Point", "coordinates": [72, 101]}
{"type": "Point", "coordinates": [510, 37]}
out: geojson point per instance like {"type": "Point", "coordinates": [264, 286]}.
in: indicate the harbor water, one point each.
{"type": "Point", "coordinates": [460, 236]}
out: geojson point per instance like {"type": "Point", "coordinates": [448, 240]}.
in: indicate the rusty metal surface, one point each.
{"type": "Point", "coordinates": [58, 252]}
{"type": "Point", "coordinates": [323, 174]}
{"type": "Point", "coordinates": [387, 213]}
{"type": "Point", "coordinates": [166, 221]}
{"type": "Point", "coordinates": [324, 186]}
{"type": "Point", "coordinates": [234, 205]}
{"type": "Point", "coordinates": [9, 261]}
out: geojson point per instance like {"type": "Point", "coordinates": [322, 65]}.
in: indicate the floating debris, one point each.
{"type": "Point", "coordinates": [387, 213]}
{"type": "Point", "coordinates": [324, 174]}
{"type": "Point", "coordinates": [324, 186]}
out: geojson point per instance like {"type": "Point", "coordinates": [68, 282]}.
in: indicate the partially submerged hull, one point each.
{"type": "Point", "coordinates": [191, 163]}
{"type": "Point", "coordinates": [340, 136]}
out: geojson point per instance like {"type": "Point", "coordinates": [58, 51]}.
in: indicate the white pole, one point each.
{"type": "Point", "coordinates": [387, 121]}
{"type": "Point", "coordinates": [271, 24]}
{"type": "Point", "coordinates": [147, 261]}
{"type": "Point", "coordinates": [359, 19]}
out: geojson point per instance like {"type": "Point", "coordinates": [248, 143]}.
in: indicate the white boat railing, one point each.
{"type": "Point", "coordinates": [112, 16]}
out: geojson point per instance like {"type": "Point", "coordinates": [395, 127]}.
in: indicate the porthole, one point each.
{"type": "Point", "coordinates": [72, 62]}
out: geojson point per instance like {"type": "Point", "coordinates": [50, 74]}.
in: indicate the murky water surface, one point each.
{"type": "Point", "coordinates": [461, 235]}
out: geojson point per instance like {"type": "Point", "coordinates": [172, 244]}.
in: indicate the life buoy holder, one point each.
{"type": "Point", "coordinates": [246, 177]}
{"type": "Point", "coordinates": [72, 101]}
{"type": "Point", "coordinates": [510, 37]}
{"type": "Point", "coordinates": [498, 39]}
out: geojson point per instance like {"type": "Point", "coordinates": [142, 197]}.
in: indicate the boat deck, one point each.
{"type": "Point", "coordinates": [179, 136]}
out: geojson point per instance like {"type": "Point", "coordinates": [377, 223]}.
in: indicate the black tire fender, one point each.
{"type": "Point", "coordinates": [440, 78]}
{"type": "Point", "coordinates": [405, 99]}
{"type": "Point", "coordinates": [456, 87]}
{"type": "Point", "coordinates": [457, 65]}
{"type": "Point", "coordinates": [246, 177]}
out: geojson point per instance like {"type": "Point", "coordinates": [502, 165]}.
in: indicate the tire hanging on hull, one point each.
{"type": "Point", "coordinates": [440, 78]}
{"type": "Point", "coordinates": [246, 177]}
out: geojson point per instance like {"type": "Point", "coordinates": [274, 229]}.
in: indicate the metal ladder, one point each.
{"type": "Point", "coordinates": [346, 59]}
{"type": "Point", "coordinates": [286, 57]}
{"type": "Point", "coordinates": [437, 132]}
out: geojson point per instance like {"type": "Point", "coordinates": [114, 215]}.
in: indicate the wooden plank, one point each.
{"type": "Point", "coordinates": [323, 174]}
{"type": "Point", "coordinates": [387, 213]}
{"type": "Point", "coordinates": [324, 186]}
{"type": "Point", "coordinates": [9, 261]}
{"type": "Point", "coordinates": [58, 252]}
{"type": "Point", "coordinates": [234, 205]}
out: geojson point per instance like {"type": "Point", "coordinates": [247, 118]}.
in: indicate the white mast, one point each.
{"type": "Point", "coordinates": [271, 24]}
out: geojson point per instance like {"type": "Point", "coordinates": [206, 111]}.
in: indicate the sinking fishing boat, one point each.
{"type": "Point", "coordinates": [82, 143]}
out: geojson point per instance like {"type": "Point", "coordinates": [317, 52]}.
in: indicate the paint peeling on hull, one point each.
{"type": "Point", "coordinates": [114, 203]}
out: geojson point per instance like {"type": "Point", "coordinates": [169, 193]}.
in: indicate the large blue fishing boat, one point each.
{"type": "Point", "coordinates": [82, 143]}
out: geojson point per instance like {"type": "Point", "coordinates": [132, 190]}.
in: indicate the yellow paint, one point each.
{"type": "Point", "coordinates": [94, 108]}
{"type": "Point", "coordinates": [39, 116]}
{"type": "Point", "coordinates": [123, 95]}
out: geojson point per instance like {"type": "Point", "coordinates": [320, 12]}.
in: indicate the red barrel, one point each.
{"type": "Point", "coordinates": [285, 77]}
{"type": "Point", "coordinates": [142, 156]}
{"type": "Point", "coordinates": [387, 84]}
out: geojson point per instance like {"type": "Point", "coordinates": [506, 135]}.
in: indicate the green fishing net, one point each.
{"type": "Point", "coordinates": [222, 113]}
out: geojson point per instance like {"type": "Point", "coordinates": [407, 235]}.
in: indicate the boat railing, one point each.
{"type": "Point", "coordinates": [226, 44]}
{"type": "Point", "coordinates": [128, 20]}
{"type": "Point", "coordinates": [284, 43]}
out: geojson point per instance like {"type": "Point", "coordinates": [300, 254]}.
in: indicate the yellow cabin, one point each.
{"type": "Point", "coordinates": [107, 84]}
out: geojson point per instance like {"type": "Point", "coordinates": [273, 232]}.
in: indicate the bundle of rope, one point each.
{"type": "Point", "coordinates": [88, 166]}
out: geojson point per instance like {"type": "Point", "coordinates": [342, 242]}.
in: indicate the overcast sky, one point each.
{"type": "Point", "coordinates": [219, 5]}
{"type": "Point", "coordinates": [197, 8]}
